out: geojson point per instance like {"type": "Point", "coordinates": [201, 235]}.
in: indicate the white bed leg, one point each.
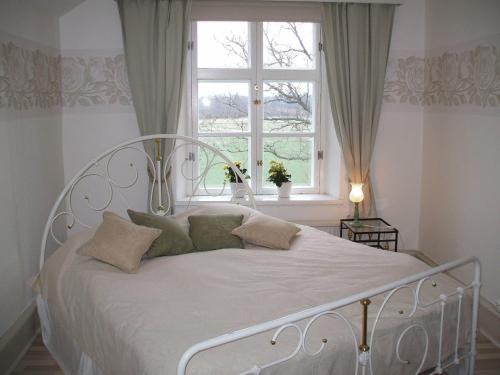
{"type": "Point", "coordinates": [475, 308]}
{"type": "Point", "coordinates": [363, 359]}
{"type": "Point", "coordinates": [460, 291]}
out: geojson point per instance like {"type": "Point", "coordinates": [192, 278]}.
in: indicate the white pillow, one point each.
{"type": "Point", "coordinates": [267, 231]}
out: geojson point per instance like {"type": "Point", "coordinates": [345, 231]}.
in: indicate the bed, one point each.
{"type": "Point", "coordinates": [326, 306]}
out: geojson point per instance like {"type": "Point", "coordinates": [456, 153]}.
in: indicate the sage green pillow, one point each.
{"type": "Point", "coordinates": [173, 240]}
{"type": "Point", "coordinates": [212, 232]}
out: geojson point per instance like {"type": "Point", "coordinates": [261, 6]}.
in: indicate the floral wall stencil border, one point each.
{"type": "Point", "coordinates": [471, 77]}
{"type": "Point", "coordinates": [90, 81]}
{"type": "Point", "coordinates": [29, 78]}
{"type": "Point", "coordinates": [33, 78]}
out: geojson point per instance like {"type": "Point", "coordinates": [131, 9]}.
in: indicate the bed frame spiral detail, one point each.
{"type": "Point", "coordinates": [364, 351]}
{"type": "Point", "coordinates": [184, 157]}
{"type": "Point", "coordinates": [301, 323]}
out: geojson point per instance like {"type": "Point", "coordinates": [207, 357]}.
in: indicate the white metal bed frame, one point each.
{"type": "Point", "coordinates": [182, 154]}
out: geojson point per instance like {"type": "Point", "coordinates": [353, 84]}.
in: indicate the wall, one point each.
{"type": "Point", "coordinates": [461, 174]}
{"type": "Point", "coordinates": [396, 166]}
{"type": "Point", "coordinates": [30, 146]}
{"type": "Point", "coordinates": [97, 113]}
{"type": "Point", "coordinates": [97, 108]}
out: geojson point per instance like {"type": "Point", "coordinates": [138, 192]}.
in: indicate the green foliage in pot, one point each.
{"type": "Point", "coordinates": [278, 173]}
{"type": "Point", "coordinates": [229, 174]}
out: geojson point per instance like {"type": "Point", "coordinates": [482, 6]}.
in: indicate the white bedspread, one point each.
{"type": "Point", "coordinates": [142, 323]}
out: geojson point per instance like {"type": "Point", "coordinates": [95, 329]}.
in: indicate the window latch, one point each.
{"type": "Point", "coordinates": [191, 156]}
{"type": "Point", "coordinates": [256, 88]}
{"type": "Point", "coordinates": [259, 163]}
{"type": "Point", "coordinates": [320, 154]}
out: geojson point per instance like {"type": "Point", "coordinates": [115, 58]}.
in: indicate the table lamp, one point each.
{"type": "Point", "coordinates": [355, 196]}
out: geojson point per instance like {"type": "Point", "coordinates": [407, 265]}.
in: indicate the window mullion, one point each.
{"type": "Point", "coordinates": [194, 106]}
{"type": "Point", "coordinates": [260, 107]}
{"type": "Point", "coordinates": [223, 74]}
{"type": "Point", "coordinates": [252, 108]}
{"type": "Point", "coordinates": [225, 135]}
{"type": "Point", "coordinates": [318, 139]}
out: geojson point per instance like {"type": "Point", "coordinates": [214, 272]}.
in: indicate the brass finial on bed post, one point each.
{"type": "Point", "coordinates": [364, 325]}
{"type": "Point", "coordinates": [158, 149]}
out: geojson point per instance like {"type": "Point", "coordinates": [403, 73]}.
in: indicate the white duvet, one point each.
{"type": "Point", "coordinates": [131, 324]}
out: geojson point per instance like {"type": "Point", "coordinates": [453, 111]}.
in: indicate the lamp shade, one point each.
{"type": "Point", "coordinates": [356, 195]}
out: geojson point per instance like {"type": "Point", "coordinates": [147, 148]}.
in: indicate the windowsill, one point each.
{"type": "Point", "coordinates": [265, 200]}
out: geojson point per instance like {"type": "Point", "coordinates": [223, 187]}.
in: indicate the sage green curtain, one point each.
{"type": "Point", "coordinates": [155, 36]}
{"type": "Point", "coordinates": [356, 40]}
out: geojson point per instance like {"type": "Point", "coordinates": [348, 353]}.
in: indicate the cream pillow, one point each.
{"type": "Point", "coordinates": [120, 242]}
{"type": "Point", "coordinates": [267, 231]}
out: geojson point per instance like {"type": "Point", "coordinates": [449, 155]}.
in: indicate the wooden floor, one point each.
{"type": "Point", "coordinates": [38, 361]}
{"type": "Point", "coordinates": [488, 357]}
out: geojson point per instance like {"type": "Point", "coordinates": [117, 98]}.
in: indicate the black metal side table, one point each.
{"type": "Point", "coordinates": [374, 232]}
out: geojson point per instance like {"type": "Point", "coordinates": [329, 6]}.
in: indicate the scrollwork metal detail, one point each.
{"type": "Point", "coordinates": [301, 345]}
{"type": "Point", "coordinates": [101, 173]}
{"type": "Point", "coordinates": [183, 158]}
{"type": "Point", "coordinates": [364, 359]}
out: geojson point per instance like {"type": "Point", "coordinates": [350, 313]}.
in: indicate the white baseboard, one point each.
{"type": "Point", "coordinates": [18, 339]}
{"type": "Point", "coordinates": [489, 321]}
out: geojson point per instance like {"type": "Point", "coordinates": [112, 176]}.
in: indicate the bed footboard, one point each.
{"type": "Point", "coordinates": [363, 338]}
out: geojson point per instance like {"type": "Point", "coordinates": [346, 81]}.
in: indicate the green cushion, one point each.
{"type": "Point", "coordinates": [172, 241]}
{"type": "Point", "coordinates": [211, 232]}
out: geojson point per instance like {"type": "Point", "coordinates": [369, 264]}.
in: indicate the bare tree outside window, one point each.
{"type": "Point", "coordinates": [223, 107]}
{"type": "Point", "coordinates": [288, 45]}
{"type": "Point", "coordinates": [287, 105]}
{"type": "Point", "coordinates": [212, 51]}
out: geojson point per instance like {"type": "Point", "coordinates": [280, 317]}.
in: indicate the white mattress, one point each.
{"type": "Point", "coordinates": [142, 323]}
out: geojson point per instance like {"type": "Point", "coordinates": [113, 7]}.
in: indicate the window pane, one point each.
{"type": "Point", "coordinates": [296, 155]}
{"type": "Point", "coordinates": [223, 45]}
{"type": "Point", "coordinates": [289, 45]}
{"type": "Point", "coordinates": [288, 107]}
{"type": "Point", "coordinates": [223, 107]}
{"type": "Point", "coordinates": [235, 148]}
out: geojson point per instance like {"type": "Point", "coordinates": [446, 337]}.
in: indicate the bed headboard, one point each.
{"type": "Point", "coordinates": [126, 176]}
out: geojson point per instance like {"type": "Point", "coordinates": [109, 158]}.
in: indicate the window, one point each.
{"type": "Point", "coordinates": [255, 96]}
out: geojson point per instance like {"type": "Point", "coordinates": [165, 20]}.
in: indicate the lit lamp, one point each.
{"type": "Point", "coordinates": [355, 196]}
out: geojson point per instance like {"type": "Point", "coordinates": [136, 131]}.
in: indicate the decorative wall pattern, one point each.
{"type": "Point", "coordinates": [451, 79]}
{"type": "Point", "coordinates": [33, 78]}
{"type": "Point", "coordinates": [90, 81]}
{"type": "Point", "coordinates": [29, 78]}
{"type": "Point", "coordinates": [471, 77]}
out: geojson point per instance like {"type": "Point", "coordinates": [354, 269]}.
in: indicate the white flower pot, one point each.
{"type": "Point", "coordinates": [237, 189]}
{"type": "Point", "coordinates": [285, 189]}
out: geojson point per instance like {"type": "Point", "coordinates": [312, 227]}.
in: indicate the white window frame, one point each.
{"type": "Point", "coordinates": [256, 74]}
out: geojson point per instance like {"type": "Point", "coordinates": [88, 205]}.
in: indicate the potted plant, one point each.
{"type": "Point", "coordinates": [279, 176]}
{"type": "Point", "coordinates": [237, 189]}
